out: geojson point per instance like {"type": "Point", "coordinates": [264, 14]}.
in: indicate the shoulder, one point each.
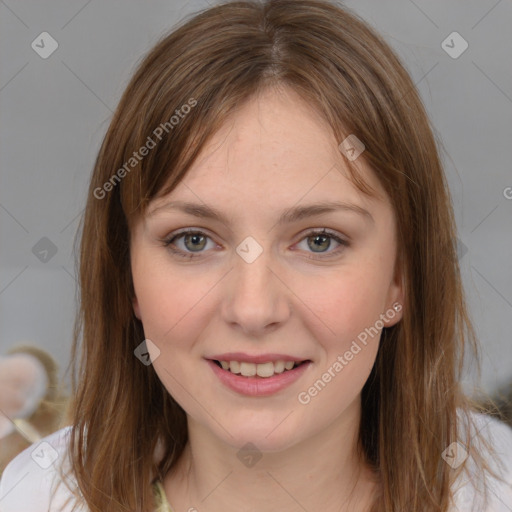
{"type": "Point", "coordinates": [30, 479]}
{"type": "Point", "coordinates": [492, 438]}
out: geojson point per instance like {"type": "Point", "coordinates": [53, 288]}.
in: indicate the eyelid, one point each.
{"type": "Point", "coordinates": [342, 240]}
{"type": "Point", "coordinates": [168, 240]}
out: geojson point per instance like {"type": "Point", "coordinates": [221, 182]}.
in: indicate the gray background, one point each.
{"type": "Point", "coordinates": [55, 111]}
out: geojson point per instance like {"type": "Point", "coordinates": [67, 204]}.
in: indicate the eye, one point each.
{"type": "Point", "coordinates": [318, 240]}
{"type": "Point", "coordinates": [193, 240]}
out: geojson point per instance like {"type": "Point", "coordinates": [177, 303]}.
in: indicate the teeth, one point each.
{"type": "Point", "coordinates": [279, 366]}
{"type": "Point", "coordinates": [262, 369]}
{"type": "Point", "coordinates": [248, 369]}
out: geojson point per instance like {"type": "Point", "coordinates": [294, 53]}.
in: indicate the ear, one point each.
{"type": "Point", "coordinates": [136, 308]}
{"type": "Point", "coordinates": [395, 300]}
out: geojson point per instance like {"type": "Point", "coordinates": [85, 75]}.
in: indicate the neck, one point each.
{"type": "Point", "coordinates": [322, 472]}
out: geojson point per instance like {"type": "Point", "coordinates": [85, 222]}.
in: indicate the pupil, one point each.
{"type": "Point", "coordinates": [325, 238]}
{"type": "Point", "coordinates": [194, 238]}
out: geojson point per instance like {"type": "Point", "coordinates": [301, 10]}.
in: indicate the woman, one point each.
{"type": "Point", "coordinates": [272, 315]}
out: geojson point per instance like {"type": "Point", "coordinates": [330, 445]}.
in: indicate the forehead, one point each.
{"type": "Point", "coordinates": [274, 150]}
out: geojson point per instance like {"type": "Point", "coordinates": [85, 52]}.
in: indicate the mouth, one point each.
{"type": "Point", "coordinates": [263, 370]}
{"type": "Point", "coordinates": [258, 379]}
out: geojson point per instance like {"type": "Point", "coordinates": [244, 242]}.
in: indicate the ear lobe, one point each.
{"type": "Point", "coordinates": [136, 308]}
{"type": "Point", "coordinates": [395, 303]}
{"type": "Point", "coordinates": [393, 313]}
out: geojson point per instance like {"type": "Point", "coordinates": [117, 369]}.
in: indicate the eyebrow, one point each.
{"type": "Point", "coordinates": [288, 215]}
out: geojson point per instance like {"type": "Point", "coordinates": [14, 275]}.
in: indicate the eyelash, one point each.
{"type": "Point", "coordinates": [168, 241]}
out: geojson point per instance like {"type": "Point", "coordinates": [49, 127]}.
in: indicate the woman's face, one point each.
{"type": "Point", "coordinates": [259, 286]}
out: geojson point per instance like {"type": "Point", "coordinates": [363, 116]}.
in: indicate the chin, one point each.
{"type": "Point", "coordinates": [266, 433]}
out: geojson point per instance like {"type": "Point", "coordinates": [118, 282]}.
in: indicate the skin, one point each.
{"type": "Point", "coordinates": [275, 152]}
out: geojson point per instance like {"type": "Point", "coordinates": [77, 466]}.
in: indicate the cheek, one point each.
{"type": "Point", "coordinates": [344, 304]}
{"type": "Point", "coordinates": [171, 313]}
{"type": "Point", "coordinates": [172, 306]}
{"type": "Point", "coordinates": [350, 307]}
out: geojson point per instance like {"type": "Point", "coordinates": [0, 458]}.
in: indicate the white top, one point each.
{"type": "Point", "coordinates": [29, 479]}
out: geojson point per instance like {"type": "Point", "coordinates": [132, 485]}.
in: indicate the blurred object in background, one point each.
{"type": "Point", "coordinates": [499, 405]}
{"type": "Point", "coordinates": [31, 403]}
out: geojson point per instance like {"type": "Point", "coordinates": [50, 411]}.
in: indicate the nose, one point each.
{"type": "Point", "coordinates": [255, 298]}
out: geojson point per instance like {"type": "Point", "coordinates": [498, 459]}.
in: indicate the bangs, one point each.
{"type": "Point", "coordinates": [172, 149]}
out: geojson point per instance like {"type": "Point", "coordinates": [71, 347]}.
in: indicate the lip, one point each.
{"type": "Point", "coordinates": [258, 386]}
{"type": "Point", "coordinates": [260, 358]}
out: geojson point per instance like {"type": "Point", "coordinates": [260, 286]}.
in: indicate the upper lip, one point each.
{"type": "Point", "coordinates": [259, 358]}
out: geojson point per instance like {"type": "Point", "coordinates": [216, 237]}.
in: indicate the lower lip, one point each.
{"type": "Point", "coordinates": [258, 386]}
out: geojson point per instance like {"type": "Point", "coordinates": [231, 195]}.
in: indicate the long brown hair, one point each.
{"type": "Point", "coordinates": [213, 62]}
